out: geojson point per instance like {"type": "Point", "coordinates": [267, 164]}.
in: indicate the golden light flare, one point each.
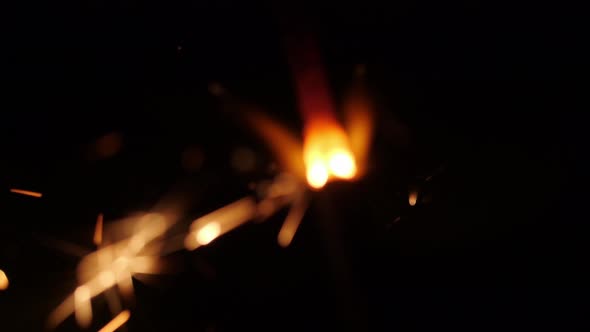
{"type": "Point", "coordinates": [26, 192]}
{"type": "Point", "coordinates": [4, 283]}
{"type": "Point", "coordinates": [327, 151]}
{"type": "Point", "coordinates": [327, 154]}
{"type": "Point", "coordinates": [116, 322]}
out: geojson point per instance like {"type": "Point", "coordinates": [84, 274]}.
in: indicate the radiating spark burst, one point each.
{"type": "Point", "coordinates": [327, 151]}
{"type": "Point", "coordinates": [4, 283]}
{"type": "Point", "coordinates": [126, 250]}
{"type": "Point", "coordinates": [116, 322]}
{"type": "Point", "coordinates": [26, 192]}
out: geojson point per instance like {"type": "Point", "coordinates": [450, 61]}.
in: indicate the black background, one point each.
{"type": "Point", "coordinates": [484, 96]}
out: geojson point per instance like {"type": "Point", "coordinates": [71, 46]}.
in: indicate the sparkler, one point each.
{"type": "Point", "coordinates": [327, 152]}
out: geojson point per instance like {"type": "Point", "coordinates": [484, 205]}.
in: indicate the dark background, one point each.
{"type": "Point", "coordinates": [481, 95]}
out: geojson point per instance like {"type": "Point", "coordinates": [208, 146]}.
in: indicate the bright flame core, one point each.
{"type": "Point", "coordinates": [208, 233]}
{"type": "Point", "coordinates": [327, 154]}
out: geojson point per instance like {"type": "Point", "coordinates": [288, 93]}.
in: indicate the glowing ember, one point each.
{"type": "Point", "coordinates": [26, 192]}
{"type": "Point", "coordinates": [3, 280]}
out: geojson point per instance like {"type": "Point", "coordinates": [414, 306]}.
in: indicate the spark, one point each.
{"type": "Point", "coordinates": [26, 193]}
{"type": "Point", "coordinates": [4, 283]}
{"type": "Point", "coordinates": [116, 322]}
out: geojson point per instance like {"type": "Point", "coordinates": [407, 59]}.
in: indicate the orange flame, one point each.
{"type": "Point", "coordinates": [327, 153]}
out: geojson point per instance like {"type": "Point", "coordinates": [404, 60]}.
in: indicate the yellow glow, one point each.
{"type": "Point", "coordinates": [208, 233]}
{"type": "Point", "coordinates": [342, 164]}
{"type": "Point", "coordinates": [327, 154]}
{"type": "Point", "coordinates": [3, 280]}
{"type": "Point", "coordinates": [26, 192]}
{"type": "Point", "coordinates": [83, 306]}
{"type": "Point", "coordinates": [413, 198]}
{"type": "Point", "coordinates": [116, 322]}
{"type": "Point", "coordinates": [317, 175]}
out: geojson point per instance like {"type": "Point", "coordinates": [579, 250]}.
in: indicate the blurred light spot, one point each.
{"type": "Point", "coordinates": [83, 306]}
{"type": "Point", "coordinates": [192, 159]}
{"type": "Point", "coordinates": [317, 175]}
{"type": "Point", "coordinates": [208, 233]}
{"type": "Point", "coordinates": [26, 192]}
{"type": "Point", "coordinates": [243, 160]}
{"type": "Point", "coordinates": [3, 280]}
{"type": "Point", "coordinates": [116, 322]}
{"type": "Point", "coordinates": [108, 145]}
{"type": "Point", "coordinates": [413, 197]}
{"type": "Point", "coordinates": [342, 165]}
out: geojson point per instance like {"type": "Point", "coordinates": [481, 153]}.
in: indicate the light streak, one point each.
{"type": "Point", "coordinates": [26, 192]}
{"type": "Point", "coordinates": [116, 322]}
{"type": "Point", "coordinates": [292, 221]}
{"type": "Point", "coordinates": [208, 227]}
{"type": "Point", "coordinates": [98, 230]}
